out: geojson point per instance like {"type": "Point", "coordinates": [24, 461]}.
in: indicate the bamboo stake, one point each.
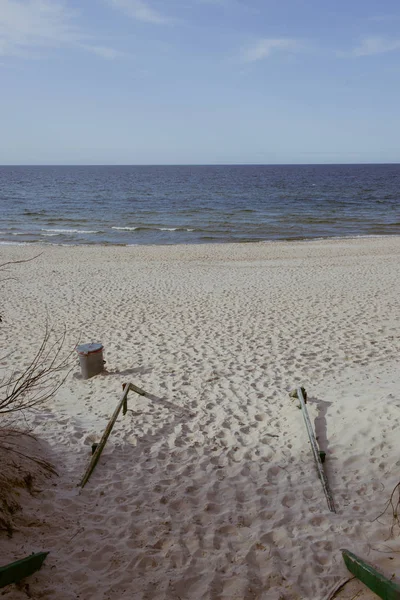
{"type": "Point", "coordinates": [105, 437]}
{"type": "Point", "coordinates": [317, 458]}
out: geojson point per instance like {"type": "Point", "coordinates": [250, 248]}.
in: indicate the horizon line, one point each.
{"type": "Point", "coordinates": [319, 164]}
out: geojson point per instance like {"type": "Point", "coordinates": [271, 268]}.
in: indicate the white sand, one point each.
{"type": "Point", "coordinates": [210, 491]}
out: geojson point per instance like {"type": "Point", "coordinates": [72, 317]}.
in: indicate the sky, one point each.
{"type": "Point", "coordinates": [199, 81]}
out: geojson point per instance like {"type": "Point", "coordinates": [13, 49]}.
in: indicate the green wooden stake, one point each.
{"type": "Point", "coordinates": [383, 587]}
{"type": "Point", "coordinates": [316, 452]}
{"type": "Point", "coordinates": [96, 451]}
{"type": "Point", "coordinates": [15, 571]}
{"type": "Point", "coordinates": [125, 403]}
{"type": "Point", "coordinates": [137, 389]}
{"type": "Point", "coordinates": [104, 438]}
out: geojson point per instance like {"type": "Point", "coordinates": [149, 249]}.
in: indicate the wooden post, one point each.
{"type": "Point", "coordinates": [104, 438]}
{"type": "Point", "coordinates": [317, 457]}
{"type": "Point", "coordinates": [136, 389]}
{"type": "Point", "coordinates": [378, 583]}
{"type": "Point", "coordinates": [125, 404]}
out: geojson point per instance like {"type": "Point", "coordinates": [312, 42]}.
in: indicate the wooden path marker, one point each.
{"type": "Point", "coordinates": [376, 581]}
{"type": "Point", "coordinates": [316, 452]}
{"type": "Point", "coordinates": [123, 403]}
{"type": "Point", "coordinates": [15, 571]}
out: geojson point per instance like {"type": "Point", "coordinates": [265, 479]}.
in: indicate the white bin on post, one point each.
{"type": "Point", "coordinates": [91, 359]}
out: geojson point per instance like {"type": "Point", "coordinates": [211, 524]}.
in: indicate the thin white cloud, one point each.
{"type": "Point", "coordinates": [383, 18]}
{"type": "Point", "coordinates": [373, 45]}
{"type": "Point", "coordinates": [141, 11]}
{"type": "Point", "coordinates": [232, 5]}
{"type": "Point", "coordinates": [264, 47]}
{"type": "Point", "coordinates": [104, 51]}
{"type": "Point", "coordinates": [28, 27]}
{"type": "Point", "coordinates": [223, 3]}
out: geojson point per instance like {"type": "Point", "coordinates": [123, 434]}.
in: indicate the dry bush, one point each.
{"type": "Point", "coordinates": [44, 375]}
{"type": "Point", "coordinates": [39, 381]}
{"type": "Point", "coordinates": [23, 468]}
{"type": "Point", "coordinates": [22, 462]}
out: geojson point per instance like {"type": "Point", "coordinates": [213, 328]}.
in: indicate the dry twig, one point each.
{"type": "Point", "coordinates": [392, 504]}
{"type": "Point", "coordinates": [40, 380]}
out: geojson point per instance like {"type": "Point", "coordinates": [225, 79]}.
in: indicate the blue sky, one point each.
{"type": "Point", "coordinates": [199, 81]}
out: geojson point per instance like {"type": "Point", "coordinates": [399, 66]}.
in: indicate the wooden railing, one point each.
{"type": "Point", "coordinates": [123, 403]}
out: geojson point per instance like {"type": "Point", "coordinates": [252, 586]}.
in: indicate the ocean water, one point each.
{"type": "Point", "coordinates": [196, 204]}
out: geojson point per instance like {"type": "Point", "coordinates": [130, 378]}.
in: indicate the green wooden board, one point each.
{"type": "Point", "coordinates": [383, 587]}
{"type": "Point", "coordinates": [15, 571]}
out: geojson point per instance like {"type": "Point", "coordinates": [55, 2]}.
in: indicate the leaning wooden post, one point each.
{"type": "Point", "coordinates": [104, 438]}
{"type": "Point", "coordinates": [317, 457]}
{"type": "Point", "coordinates": [125, 403]}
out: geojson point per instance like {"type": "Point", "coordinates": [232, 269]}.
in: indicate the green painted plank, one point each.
{"type": "Point", "coordinates": [15, 571]}
{"type": "Point", "coordinates": [376, 581]}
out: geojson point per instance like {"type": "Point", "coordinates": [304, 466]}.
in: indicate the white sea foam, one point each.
{"type": "Point", "coordinates": [125, 228]}
{"type": "Point", "coordinates": [149, 227]}
{"type": "Point", "coordinates": [13, 243]}
{"type": "Point", "coordinates": [55, 231]}
{"type": "Point", "coordinates": [173, 229]}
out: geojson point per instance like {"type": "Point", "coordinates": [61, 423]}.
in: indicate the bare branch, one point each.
{"type": "Point", "coordinates": [23, 389]}
{"type": "Point", "coordinates": [40, 379]}
{"type": "Point", "coordinates": [393, 505]}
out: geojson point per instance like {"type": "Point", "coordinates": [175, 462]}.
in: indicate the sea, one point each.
{"type": "Point", "coordinates": [131, 205]}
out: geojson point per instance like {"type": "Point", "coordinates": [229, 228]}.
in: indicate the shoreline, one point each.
{"type": "Point", "coordinates": [206, 243]}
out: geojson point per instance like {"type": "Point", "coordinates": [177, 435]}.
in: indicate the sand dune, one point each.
{"type": "Point", "coordinates": [208, 490]}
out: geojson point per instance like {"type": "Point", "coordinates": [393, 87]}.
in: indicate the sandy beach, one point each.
{"type": "Point", "coordinates": [209, 490]}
